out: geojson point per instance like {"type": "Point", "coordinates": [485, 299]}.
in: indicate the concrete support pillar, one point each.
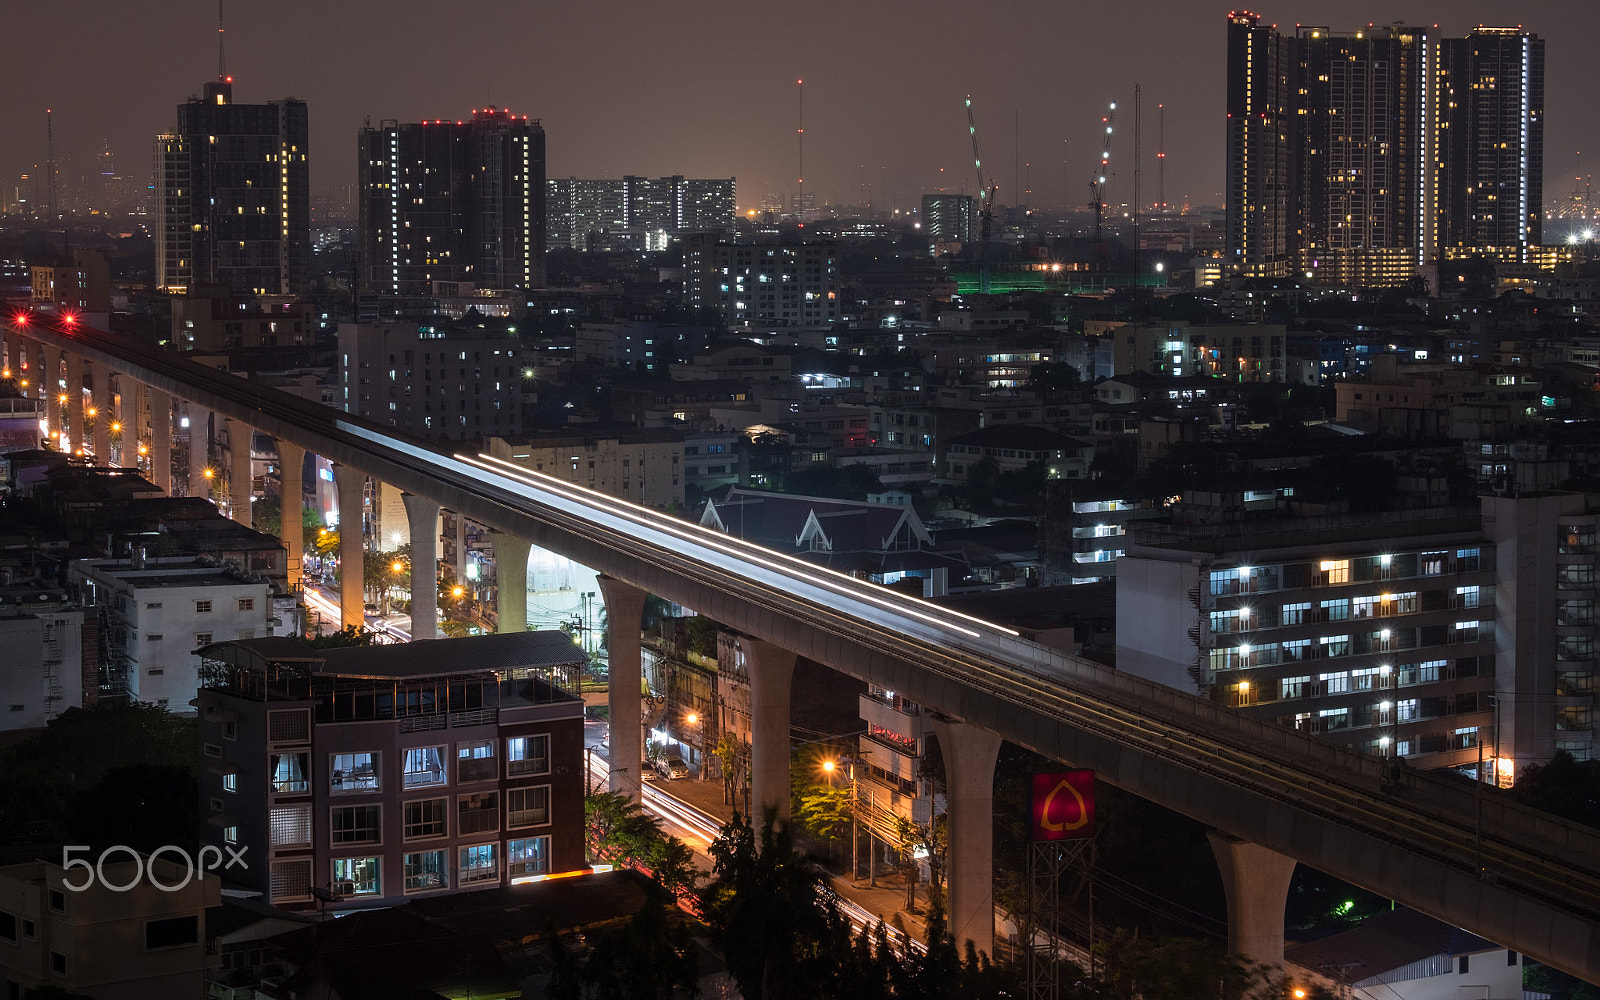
{"type": "Point", "coordinates": [74, 414]}
{"type": "Point", "coordinates": [50, 392]}
{"type": "Point", "coordinates": [291, 474]}
{"type": "Point", "coordinates": [969, 756]}
{"type": "Point", "coordinates": [351, 486]}
{"type": "Point", "coordinates": [13, 363]}
{"type": "Point", "coordinates": [1256, 881]}
{"type": "Point", "coordinates": [771, 675]}
{"type": "Point", "coordinates": [422, 515]}
{"type": "Point", "coordinates": [239, 473]}
{"type": "Point", "coordinates": [199, 447]}
{"type": "Point", "coordinates": [129, 420]}
{"type": "Point", "coordinates": [161, 439]}
{"type": "Point", "coordinates": [624, 618]}
{"type": "Point", "coordinates": [510, 581]}
{"type": "Point", "coordinates": [100, 396]}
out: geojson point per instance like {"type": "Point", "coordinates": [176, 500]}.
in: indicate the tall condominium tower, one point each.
{"type": "Point", "coordinates": [1356, 157]}
{"type": "Point", "coordinates": [459, 201]}
{"type": "Point", "coordinates": [1491, 138]}
{"type": "Point", "coordinates": [233, 195]}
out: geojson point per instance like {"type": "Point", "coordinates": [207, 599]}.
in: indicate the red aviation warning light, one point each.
{"type": "Point", "coordinates": [1063, 805]}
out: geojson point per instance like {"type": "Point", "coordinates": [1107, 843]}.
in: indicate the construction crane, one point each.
{"type": "Point", "coordinates": [986, 193]}
{"type": "Point", "coordinates": [1098, 182]}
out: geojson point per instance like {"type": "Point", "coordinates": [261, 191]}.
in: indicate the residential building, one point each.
{"type": "Point", "coordinates": [636, 213]}
{"type": "Point", "coordinates": [1014, 447]}
{"type": "Point", "coordinates": [438, 380]}
{"type": "Point", "coordinates": [644, 465]}
{"type": "Point", "coordinates": [1357, 158]}
{"type": "Point", "coordinates": [365, 776]}
{"type": "Point", "coordinates": [1379, 632]}
{"type": "Point", "coordinates": [948, 217]}
{"type": "Point", "coordinates": [1545, 632]}
{"type": "Point", "coordinates": [155, 612]}
{"type": "Point", "coordinates": [1490, 111]}
{"type": "Point", "coordinates": [215, 318]}
{"type": "Point", "coordinates": [1401, 952]}
{"type": "Point", "coordinates": [81, 288]}
{"type": "Point", "coordinates": [1253, 352]}
{"type": "Point", "coordinates": [762, 285]}
{"type": "Point", "coordinates": [233, 195]}
{"type": "Point", "coordinates": [136, 928]}
{"type": "Point", "coordinates": [890, 783]}
{"type": "Point", "coordinates": [52, 657]}
{"type": "Point", "coordinates": [452, 201]}
{"type": "Point", "coordinates": [1090, 529]}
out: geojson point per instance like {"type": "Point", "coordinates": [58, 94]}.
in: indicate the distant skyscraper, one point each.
{"type": "Point", "coordinates": [1355, 158]}
{"type": "Point", "coordinates": [453, 201]}
{"type": "Point", "coordinates": [1491, 139]}
{"type": "Point", "coordinates": [233, 195]}
{"type": "Point", "coordinates": [948, 217]}
{"type": "Point", "coordinates": [636, 212]}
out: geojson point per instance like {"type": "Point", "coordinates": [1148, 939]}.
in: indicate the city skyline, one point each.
{"type": "Point", "coordinates": [883, 93]}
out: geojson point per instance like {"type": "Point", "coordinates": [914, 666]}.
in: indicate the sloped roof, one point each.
{"type": "Point", "coordinates": [779, 520]}
{"type": "Point", "coordinates": [1383, 943]}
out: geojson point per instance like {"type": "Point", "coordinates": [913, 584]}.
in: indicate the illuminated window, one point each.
{"type": "Point", "coordinates": [1335, 570]}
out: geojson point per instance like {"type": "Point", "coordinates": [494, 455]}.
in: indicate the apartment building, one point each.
{"type": "Point", "coordinates": [763, 285]}
{"type": "Point", "coordinates": [889, 782]}
{"type": "Point", "coordinates": [365, 776]}
{"type": "Point", "coordinates": [51, 660]}
{"type": "Point", "coordinates": [136, 930]}
{"type": "Point", "coordinates": [1378, 633]}
{"type": "Point", "coordinates": [156, 612]}
{"type": "Point", "coordinates": [432, 378]}
{"type": "Point", "coordinates": [642, 465]}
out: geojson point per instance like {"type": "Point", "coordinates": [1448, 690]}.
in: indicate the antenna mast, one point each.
{"type": "Point", "coordinates": [50, 167]}
{"type": "Point", "coordinates": [1161, 157]}
{"type": "Point", "coordinates": [222, 49]}
{"type": "Point", "coordinates": [800, 133]}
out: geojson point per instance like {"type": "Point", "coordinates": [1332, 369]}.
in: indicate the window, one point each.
{"type": "Point", "coordinates": [1364, 607]}
{"type": "Point", "coordinates": [1335, 570]}
{"type": "Point", "coordinates": [247, 604]}
{"type": "Point", "coordinates": [528, 857]}
{"type": "Point", "coordinates": [58, 963]}
{"type": "Point", "coordinates": [289, 773]}
{"type": "Point", "coordinates": [8, 927]}
{"type": "Point", "coordinates": [1465, 632]}
{"type": "Point", "coordinates": [171, 933]}
{"type": "Point", "coordinates": [527, 755]}
{"type": "Point", "coordinates": [58, 901]}
{"type": "Point", "coordinates": [230, 834]}
{"type": "Point", "coordinates": [425, 871]}
{"type": "Point", "coordinates": [202, 638]}
{"type": "Point", "coordinates": [291, 825]}
{"type": "Point", "coordinates": [1338, 683]}
{"type": "Point", "coordinates": [1296, 614]}
{"type": "Point", "coordinates": [1365, 678]}
{"type": "Point", "coordinates": [478, 812]}
{"type": "Point", "coordinates": [1336, 611]}
{"type": "Point", "coordinates": [527, 806]}
{"type": "Point", "coordinates": [153, 606]}
{"type": "Point", "coordinates": [353, 772]}
{"type": "Point", "coordinates": [355, 824]}
{"type": "Point", "coordinates": [1406, 710]}
{"type": "Point", "coordinates": [1297, 649]}
{"type": "Point", "coordinates": [1335, 645]}
{"type": "Point", "coordinates": [1431, 563]}
{"type": "Point", "coordinates": [1467, 597]}
{"type": "Point", "coordinates": [479, 864]}
{"type": "Point", "coordinates": [230, 782]}
{"type": "Point", "coordinates": [1335, 718]}
{"type": "Point", "coordinates": [475, 761]}
{"type": "Point", "coordinates": [1293, 687]}
{"type": "Point", "coordinates": [425, 818]}
{"type": "Point", "coordinates": [357, 877]}
{"type": "Point", "coordinates": [290, 726]}
{"type": "Point", "coordinates": [424, 766]}
{"type": "Point", "coordinates": [202, 607]}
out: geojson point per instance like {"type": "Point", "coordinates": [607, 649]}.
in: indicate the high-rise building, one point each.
{"type": "Point", "coordinates": [1354, 158]}
{"type": "Point", "coordinates": [948, 217]}
{"type": "Point", "coordinates": [1491, 141]}
{"type": "Point", "coordinates": [233, 195]}
{"type": "Point", "coordinates": [460, 201]}
{"type": "Point", "coordinates": [763, 285]}
{"type": "Point", "coordinates": [636, 212]}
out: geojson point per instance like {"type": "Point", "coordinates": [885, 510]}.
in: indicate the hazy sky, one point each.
{"type": "Point", "coordinates": [708, 88]}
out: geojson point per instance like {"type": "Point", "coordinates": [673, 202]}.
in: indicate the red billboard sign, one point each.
{"type": "Point", "coordinates": [1063, 805]}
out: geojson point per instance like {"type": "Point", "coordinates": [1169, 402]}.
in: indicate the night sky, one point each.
{"type": "Point", "coordinates": [708, 89]}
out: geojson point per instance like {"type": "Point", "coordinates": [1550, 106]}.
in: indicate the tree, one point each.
{"type": "Point", "coordinates": [350, 635]}
{"type": "Point", "coordinates": [651, 958]}
{"type": "Point", "coordinates": [1051, 379]}
{"type": "Point", "coordinates": [618, 832]}
{"type": "Point", "coordinates": [732, 753]}
{"type": "Point", "coordinates": [1565, 786]}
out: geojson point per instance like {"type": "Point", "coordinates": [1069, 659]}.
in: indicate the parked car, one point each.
{"type": "Point", "coordinates": [670, 765]}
